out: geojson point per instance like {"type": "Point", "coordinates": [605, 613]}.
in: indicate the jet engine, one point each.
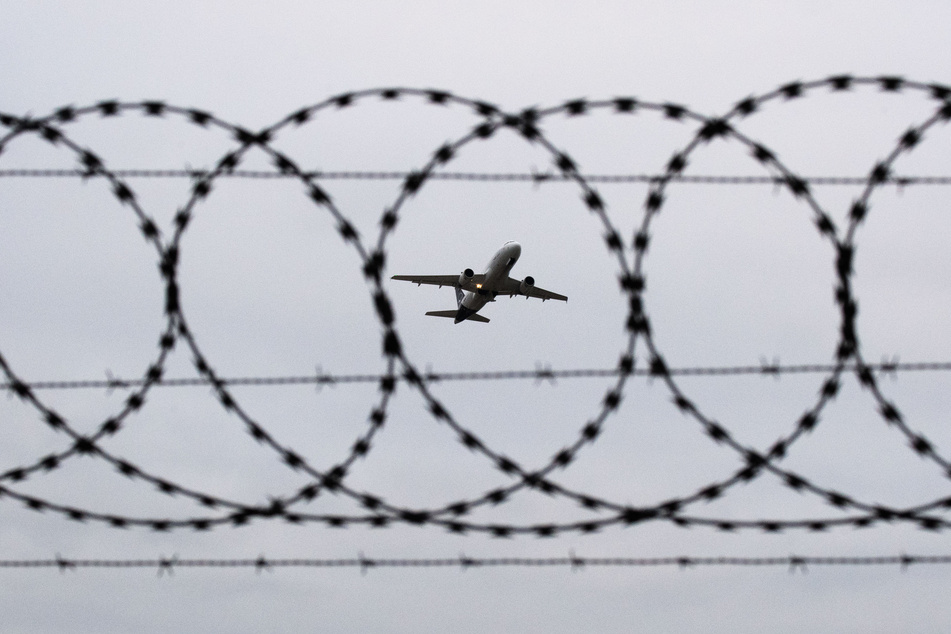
{"type": "Point", "coordinates": [526, 285]}
{"type": "Point", "coordinates": [465, 277]}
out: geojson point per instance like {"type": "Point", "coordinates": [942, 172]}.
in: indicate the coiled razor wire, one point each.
{"type": "Point", "coordinates": [630, 255]}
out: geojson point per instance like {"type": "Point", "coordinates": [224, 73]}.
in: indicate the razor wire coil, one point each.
{"type": "Point", "coordinates": [629, 253]}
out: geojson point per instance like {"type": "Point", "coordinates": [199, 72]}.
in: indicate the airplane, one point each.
{"type": "Point", "coordinates": [475, 291]}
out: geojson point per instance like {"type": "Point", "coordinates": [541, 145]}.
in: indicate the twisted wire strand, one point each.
{"type": "Point", "coordinates": [538, 178]}
{"type": "Point", "coordinates": [540, 374]}
{"type": "Point", "coordinates": [575, 562]}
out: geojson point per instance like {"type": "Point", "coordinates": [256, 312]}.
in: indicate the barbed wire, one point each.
{"type": "Point", "coordinates": [534, 177]}
{"type": "Point", "coordinates": [539, 374]}
{"type": "Point", "coordinates": [167, 565]}
{"type": "Point", "coordinates": [630, 256]}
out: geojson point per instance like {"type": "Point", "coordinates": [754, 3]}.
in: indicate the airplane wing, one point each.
{"type": "Point", "coordinates": [511, 287]}
{"type": "Point", "coordinates": [443, 280]}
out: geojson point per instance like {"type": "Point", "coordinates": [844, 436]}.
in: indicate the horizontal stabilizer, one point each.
{"type": "Point", "coordinates": [453, 313]}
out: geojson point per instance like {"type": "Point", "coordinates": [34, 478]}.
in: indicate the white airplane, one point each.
{"type": "Point", "coordinates": [485, 287]}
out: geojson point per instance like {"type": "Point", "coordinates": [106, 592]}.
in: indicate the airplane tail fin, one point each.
{"type": "Point", "coordinates": [453, 313]}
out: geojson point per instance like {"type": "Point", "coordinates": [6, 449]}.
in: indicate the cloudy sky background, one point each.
{"type": "Point", "coordinates": [735, 274]}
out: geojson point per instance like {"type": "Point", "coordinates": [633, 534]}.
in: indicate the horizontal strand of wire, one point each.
{"type": "Point", "coordinates": [538, 374]}
{"type": "Point", "coordinates": [261, 563]}
{"type": "Point", "coordinates": [479, 176]}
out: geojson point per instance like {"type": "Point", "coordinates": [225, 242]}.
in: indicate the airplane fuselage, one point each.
{"type": "Point", "coordinates": [496, 273]}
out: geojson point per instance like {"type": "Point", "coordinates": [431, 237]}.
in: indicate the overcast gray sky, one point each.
{"type": "Point", "coordinates": [735, 275]}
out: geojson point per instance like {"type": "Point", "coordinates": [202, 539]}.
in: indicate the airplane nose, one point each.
{"type": "Point", "coordinates": [516, 249]}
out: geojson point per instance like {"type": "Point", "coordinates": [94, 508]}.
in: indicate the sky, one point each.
{"type": "Point", "coordinates": [736, 275]}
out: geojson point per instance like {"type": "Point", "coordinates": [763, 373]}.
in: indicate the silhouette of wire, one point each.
{"type": "Point", "coordinates": [167, 565]}
{"type": "Point", "coordinates": [538, 374]}
{"type": "Point", "coordinates": [901, 181]}
{"type": "Point", "coordinates": [630, 255]}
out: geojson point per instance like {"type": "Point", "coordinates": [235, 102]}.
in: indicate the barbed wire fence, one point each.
{"type": "Point", "coordinates": [628, 252]}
